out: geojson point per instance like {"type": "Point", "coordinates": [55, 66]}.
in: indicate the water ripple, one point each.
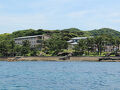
{"type": "Point", "coordinates": [59, 76]}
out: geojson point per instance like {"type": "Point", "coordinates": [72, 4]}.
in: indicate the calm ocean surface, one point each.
{"type": "Point", "coordinates": [39, 75]}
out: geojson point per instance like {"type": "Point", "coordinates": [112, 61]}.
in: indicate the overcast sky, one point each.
{"type": "Point", "coordinates": [58, 14]}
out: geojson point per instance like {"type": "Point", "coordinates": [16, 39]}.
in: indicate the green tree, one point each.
{"type": "Point", "coordinates": [80, 47]}
{"type": "Point", "coordinates": [4, 48]}
{"type": "Point", "coordinates": [90, 44]}
{"type": "Point", "coordinates": [33, 51]}
{"type": "Point", "coordinates": [56, 45]}
{"type": "Point", "coordinates": [12, 47]}
{"type": "Point", "coordinates": [18, 50]}
{"type": "Point", "coordinates": [25, 48]}
{"type": "Point", "coordinates": [99, 42]}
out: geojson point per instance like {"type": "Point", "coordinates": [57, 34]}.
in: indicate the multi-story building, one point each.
{"type": "Point", "coordinates": [33, 40]}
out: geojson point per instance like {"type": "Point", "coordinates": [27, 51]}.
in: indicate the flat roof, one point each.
{"type": "Point", "coordinates": [28, 37]}
{"type": "Point", "coordinates": [82, 37]}
{"type": "Point", "coordinates": [79, 38]}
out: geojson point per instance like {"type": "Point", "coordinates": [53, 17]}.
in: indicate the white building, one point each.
{"type": "Point", "coordinates": [107, 48]}
{"type": "Point", "coordinates": [33, 40]}
{"type": "Point", "coordinates": [74, 41]}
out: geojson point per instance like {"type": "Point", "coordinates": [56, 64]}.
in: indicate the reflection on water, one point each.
{"type": "Point", "coordinates": [59, 75]}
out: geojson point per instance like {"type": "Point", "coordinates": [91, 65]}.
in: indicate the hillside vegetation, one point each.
{"type": "Point", "coordinates": [106, 31]}
{"type": "Point", "coordinates": [58, 42]}
{"type": "Point", "coordinates": [65, 33]}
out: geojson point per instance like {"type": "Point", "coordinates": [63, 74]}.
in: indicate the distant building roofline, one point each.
{"type": "Point", "coordinates": [82, 37]}
{"type": "Point", "coordinates": [79, 37]}
{"type": "Point", "coordinates": [28, 37]}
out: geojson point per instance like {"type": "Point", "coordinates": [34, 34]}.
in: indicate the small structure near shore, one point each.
{"type": "Point", "coordinates": [65, 58]}
{"type": "Point", "coordinates": [109, 58]}
{"type": "Point", "coordinates": [15, 59]}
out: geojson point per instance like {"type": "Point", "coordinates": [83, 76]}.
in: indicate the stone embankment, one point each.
{"type": "Point", "coordinates": [60, 58]}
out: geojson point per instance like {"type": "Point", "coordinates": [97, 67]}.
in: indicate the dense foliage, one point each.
{"type": "Point", "coordinates": [58, 42]}
{"type": "Point", "coordinates": [106, 31]}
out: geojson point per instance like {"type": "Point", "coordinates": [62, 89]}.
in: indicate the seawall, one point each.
{"type": "Point", "coordinates": [55, 58]}
{"type": "Point", "coordinates": [50, 58]}
{"type": "Point", "coordinates": [84, 58]}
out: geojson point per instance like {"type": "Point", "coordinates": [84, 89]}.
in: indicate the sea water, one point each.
{"type": "Point", "coordinates": [39, 75]}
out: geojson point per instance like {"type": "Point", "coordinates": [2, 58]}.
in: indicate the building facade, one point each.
{"type": "Point", "coordinates": [33, 40]}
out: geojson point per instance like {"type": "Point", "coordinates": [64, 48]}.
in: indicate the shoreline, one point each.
{"type": "Point", "coordinates": [57, 58]}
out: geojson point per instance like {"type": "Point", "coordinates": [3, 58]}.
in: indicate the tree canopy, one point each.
{"type": "Point", "coordinates": [58, 41]}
